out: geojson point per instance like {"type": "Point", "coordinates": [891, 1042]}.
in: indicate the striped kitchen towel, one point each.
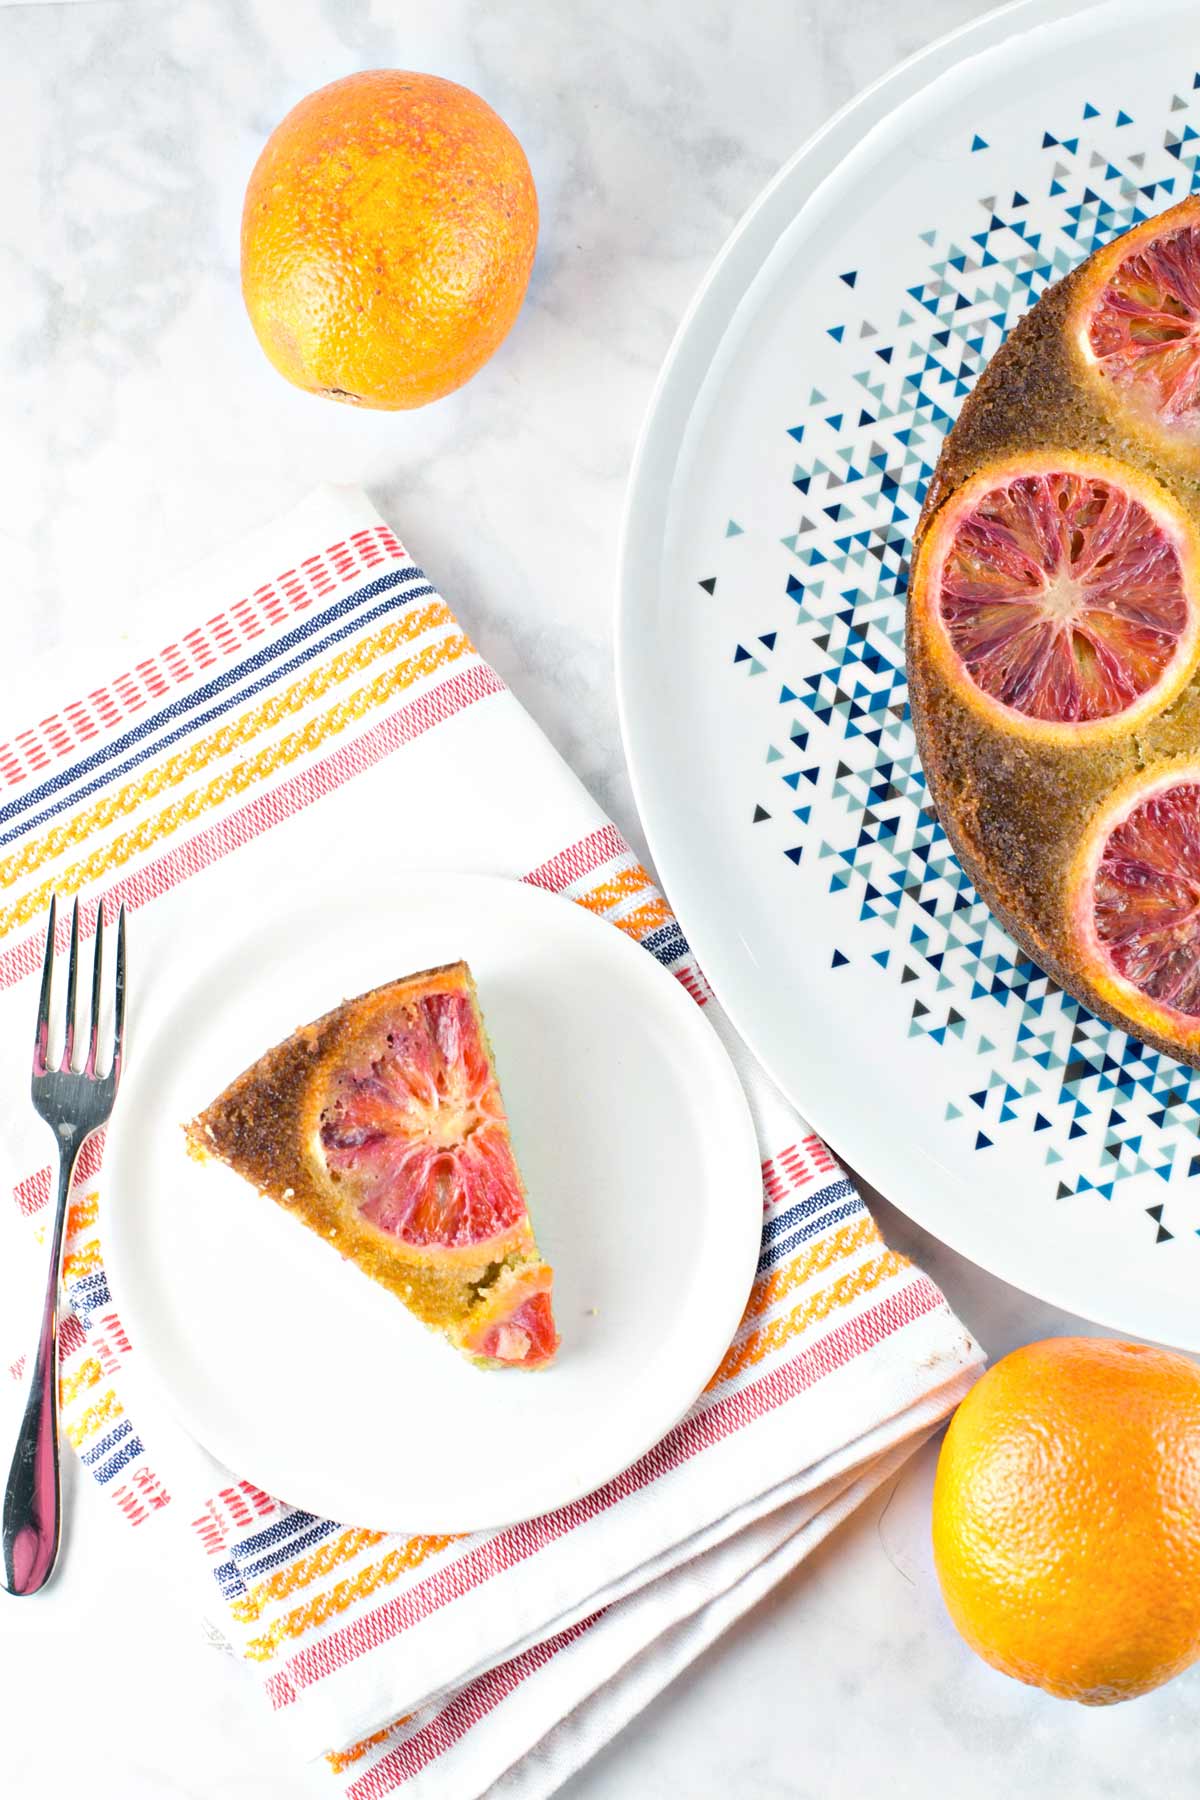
{"type": "Point", "coordinates": [300, 678]}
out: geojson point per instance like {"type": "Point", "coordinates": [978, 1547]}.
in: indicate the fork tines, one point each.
{"type": "Point", "coordinates": [42, 1034]}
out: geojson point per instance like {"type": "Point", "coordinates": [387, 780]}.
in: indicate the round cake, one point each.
{"type": "Point", "coordinates": [1053, 635]}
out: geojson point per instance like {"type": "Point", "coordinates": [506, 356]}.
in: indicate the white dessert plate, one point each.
{"type": "Point", "coordinates": [304, 1376]}
{"type": "Point", "coordinates": [761, 660]}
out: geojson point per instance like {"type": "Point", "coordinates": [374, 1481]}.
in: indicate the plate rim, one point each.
{"type": "Point", "coordinates": [740, 1247]}
{"type": "Point", "coordinates": [641, 544]}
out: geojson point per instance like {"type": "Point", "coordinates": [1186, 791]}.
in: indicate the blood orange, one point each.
{"type": "Point", "coordinates": [1066, 1517]}
{"type": "Point", "coordinates": [1135, 321]}
{"type": "Point", "coordinates": [1136, 900]}
{"type": "Point", "coordinates": [415, 1129]}
{"type": "Point", "coordinates": [388, 236]}
{"type": "Point", "coordinates": [1060, 594]}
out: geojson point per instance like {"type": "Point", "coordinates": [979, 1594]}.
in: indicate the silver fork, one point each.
{"type": "Point", "coordinates": [74, 1103]}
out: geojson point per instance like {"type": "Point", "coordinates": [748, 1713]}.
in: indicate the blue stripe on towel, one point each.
{"type": "Point", "coordinates": [185, 704]}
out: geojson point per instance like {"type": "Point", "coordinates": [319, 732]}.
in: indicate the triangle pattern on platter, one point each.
{"type": "Point", "coordinates": [1102, 1107]}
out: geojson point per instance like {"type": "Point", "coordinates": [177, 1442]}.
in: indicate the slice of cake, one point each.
{"type": "Point", "coordinates": [382, 1127]}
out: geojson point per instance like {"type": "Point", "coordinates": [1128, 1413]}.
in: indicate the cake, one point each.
{"type": "Point", "coordinates": [381, 1126]}
{"type": "Point", "coordinates": [1053, 633]}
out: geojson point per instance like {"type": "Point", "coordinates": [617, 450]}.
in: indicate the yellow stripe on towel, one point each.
{"type": "Point", "coordinates": [817, 1307]}
{"type": "Point", "coordinates": [345, 1594]}
{"type": "Point", "coordinates": [231, 736]}
{"type": "Point", "coordinates": [86, 1375]}
{"type": "Point", "coordinates": [235, 781]}
{"type": "Point", "coordinates": [102, 1413]}
{"type": "Point", "coordinates": [307, 1569]}
{"type": "Point", "coordinates": [822, 1255]}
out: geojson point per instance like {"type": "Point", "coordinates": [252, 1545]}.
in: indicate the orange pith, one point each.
{"type": "Point", "coordinates": [1136, 326]}
{"type": "Point", "coordinates": [1066, 1517]}
{"type": "Point", "coordinates": [1060, 594]}
{"type": "Point", "coordinates": [388, 235]}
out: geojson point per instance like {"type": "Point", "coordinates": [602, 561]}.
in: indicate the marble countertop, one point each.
{"type": "Point", "coordinates": [142, 428]}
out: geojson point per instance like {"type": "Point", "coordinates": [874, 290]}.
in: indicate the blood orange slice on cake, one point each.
{"type": "Point", "coordinates": [382, 1127]}
{"type": "Point", "coordinates": [1059, 595]}
{"type": "Point", "coordinates": [1135, 320]}
{"type": "Point", "coordinates": [1135, 901]}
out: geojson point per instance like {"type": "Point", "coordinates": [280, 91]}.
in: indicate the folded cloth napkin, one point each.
{"type": "Point", "coordinates": [316, 682]}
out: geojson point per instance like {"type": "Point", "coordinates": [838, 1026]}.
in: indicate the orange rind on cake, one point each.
{"type": "Point", "coordinates": [1060, 594]}
{"type": "Point", "coordinates": [1134, 320]}
{"type": "Point", "coordinates": [1135, 889]}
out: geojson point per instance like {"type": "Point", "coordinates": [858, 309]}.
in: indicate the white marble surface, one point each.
{"type": "Point", "coordinates": [141, 427]}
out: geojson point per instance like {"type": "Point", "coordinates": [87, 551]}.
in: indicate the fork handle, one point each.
{"type": "Point", "coordinates": [32, 1519]}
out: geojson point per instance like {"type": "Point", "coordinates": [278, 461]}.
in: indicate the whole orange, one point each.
{"type": "Point", "coordinates": [1066, 1517]}
{"type": "Point", "coordinates": [388, 235]}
